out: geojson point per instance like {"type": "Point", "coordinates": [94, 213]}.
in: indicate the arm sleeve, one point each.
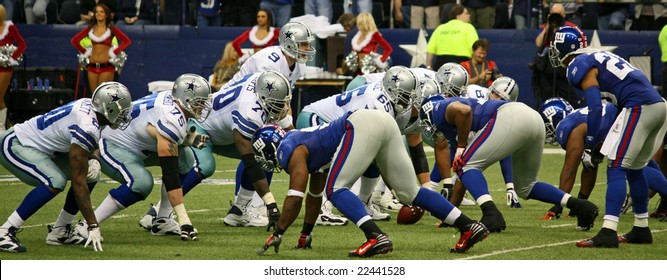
{"type": "Point", "coordinates": [76, 40]}
{"type": "Point", "coordinates": [594, 114]}
{"type": "Point", "coordinates": [386, 48]}
{"type": "Point", "coordinates": [20, 43]}
{"type": "Point", "coordinates": [239, 40]}
{"type": "Point", "coordinates": [124, 40]}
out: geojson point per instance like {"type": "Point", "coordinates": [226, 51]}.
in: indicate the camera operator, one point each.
{"type": "Point", "coordinates": [547, 81]}
{"type": "Point", "coordinates": [482, 72]}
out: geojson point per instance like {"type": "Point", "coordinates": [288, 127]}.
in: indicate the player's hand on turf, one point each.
{"type": "Point", "coordinates": [512, 199]}
{"type": "Point", "coordinates": [94, 237]}
{"type": "Point", "coordinates": [188, 232]}
{"type": "Point", "coordinates": [273, 240]}
{"type": "Point", "coordinates": [274, 216]}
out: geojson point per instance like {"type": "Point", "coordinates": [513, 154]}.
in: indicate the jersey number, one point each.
{"type": "Point", "coordinates": [274, 57]}
{"type": "Point", "coordinates": [616, 65]}
{"type": "Point", "coordinates": [346, 97]}
{"type": "Point", "coordinates": [49, 118]}
{"type": "Point", "coordinates": [147, 102]}
{"type": "Point", "coordinates": [224, 99]}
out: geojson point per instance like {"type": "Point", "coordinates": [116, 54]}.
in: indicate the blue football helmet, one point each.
{"type": "Point", "coordinates": [566, 40]}
{"type": "Point", "coordinates": [265, 143]}
{"type": "Point", "coordinates": [553, 111]}
{"type": "Point", "coordinates": [426, 120]}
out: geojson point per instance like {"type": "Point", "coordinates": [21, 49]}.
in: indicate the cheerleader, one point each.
{"type": "Point", "coordinates": [261, 35]}
{"type": "Point", "coordinates": [9, 35]}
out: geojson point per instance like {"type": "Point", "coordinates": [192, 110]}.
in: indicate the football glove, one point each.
{"type": "Point", "coordinates": [553, 213]}
{"type": "Point", "coordinates": [188, 232]}
{"type": "Point", "coordinates": [273, 240]}
{"type": "Point", "coordinates": [592, 156]}
{"type": "Point", "coordinates": [274, 216]}
{"type": "Point", "coordinates": [447, 191]}
{"type": "Point", "coordinates": [304, 241]}
{"type": "Point", "coordinates": [94, 238]}
{"type": "Point", "coordinates": [512, 199]}
{"type": "Point", "coordinates": [93, 171]}
{"type": "Point", "coordinates": [195, 139]}
{"type": "Point", "coordinates": [458, 163]}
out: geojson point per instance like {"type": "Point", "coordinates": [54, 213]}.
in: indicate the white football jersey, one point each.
{"type": "Point", "coordinates": [370, 96]}
{"type": "Point", "coordinates": [158, 110]}
{"type": "Point", "coordinates": [55, 131]}
{"type": "Point", "coordinates": [423, 73]}
{"type": "Point", "coordinates": [235, 107]}
{"type": "Point", "coordinates": [373, 77]}
{"type": "Point", "coordinates": [270, 58]}
{"type": "Point", "coordinates": [477, 92]}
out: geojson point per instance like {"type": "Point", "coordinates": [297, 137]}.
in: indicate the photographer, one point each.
{"type": "Point", "coordinates": [482, 72]}
{"type": "Point", "coordinates": [547, 81]}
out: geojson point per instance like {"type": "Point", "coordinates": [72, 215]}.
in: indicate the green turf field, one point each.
{"type": "Point", "coordinates": [526, 238]}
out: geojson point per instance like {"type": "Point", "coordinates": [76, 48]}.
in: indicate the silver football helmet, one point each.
{"type": "Point", "coordinates": [506, 88]}
{"type": "Point", "coordinates": [453, 78]}
{"type": "Point", "coordinates": [400, 84]}
{"type": "Point", "coordinates": [114, 102]}
{"type": "Point", "coordinates": [274, 93]}
{"type": "Point", "coordinates": [294, 36]}
{"type": "Point", "coordinates": [427, 87]}
{"type": "Point", "coordinates": [193, 92]}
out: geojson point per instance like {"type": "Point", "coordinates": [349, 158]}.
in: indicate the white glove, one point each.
{"type": "Point", "coordinates": [380, 64]}
{"type": "Point", "coordinates": [512, 199]}
{"type": "Point", "coordinates": [244, 58]}
{"type": "Point", "coordinates": [195, 139]}
{"type": "Point", "coordinates": [13, 62]}
{"type": "Point", "coordinates": [93, 171]}
{"type": "Point", "coordinates": [94, 238]}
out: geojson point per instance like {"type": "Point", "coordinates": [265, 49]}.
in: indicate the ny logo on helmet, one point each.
{"type": "Point", "coordinates": [259, 145]}
{"type": "Point", "coordinates": [559, 37]}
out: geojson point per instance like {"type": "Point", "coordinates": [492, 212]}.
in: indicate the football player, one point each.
{"type": "Point", "coordinates": [48, 150]}
{"type": "Point", "coordinates": [238, 110]}
{"type": "Point", "coordinates": [153, 138]}
{"type": "Point", "coordinates": [636, 135]}
{"type": "Point", "coordinates": [501, 129]}
{"type": "Point", "coordinates": [350, 144]}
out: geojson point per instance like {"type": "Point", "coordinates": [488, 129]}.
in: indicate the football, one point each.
{"type": "Point", "coordinates": [408, 215]}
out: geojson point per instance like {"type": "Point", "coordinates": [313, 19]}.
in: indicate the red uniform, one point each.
{"type": "Point", "coordinates": [9, 36]}
{"type": "Point", "coordinates": [257, 44]}
{"type": "Point", "coordinates": [105, 39]}
{"type": "Point", "coordinates": [371, 43]}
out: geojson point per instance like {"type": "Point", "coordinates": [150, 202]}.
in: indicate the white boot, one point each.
{"type": "Point", "coordinates": [3, 119]}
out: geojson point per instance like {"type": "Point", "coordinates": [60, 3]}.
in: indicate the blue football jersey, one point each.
{"type": "Point", "coordinates": [321, 142]}
{"type": "Point", "coordinates": [615, 75]}
{"type": "Point", "coordinates": [579, 116]}
{"type": "Point", "coordinates": [482, 112]}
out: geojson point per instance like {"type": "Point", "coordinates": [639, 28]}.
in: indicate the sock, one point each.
{"type": "Point", "coordinates": [582, 196]}
{"type": "Point", "coordinates": [108, 207]}
{"type": "Point", "coordinates": [244, 196]}
{"type": "Point", "coordinates": [278, 231]}
{"type": "Point", "coordinates": [433, 202]}
{"type": "Point", "coordinates": [14, 220]}
{"type": "Point", "coordinates": [307, 228]}
{"type": "Point", "coordinates": [641, 220]}
{"type": "Point", "coordinates": [435, 175]}
{"type": "Point", "coordinates": [348, 204]}
{"type": "Point", "coordinates": [164, 209]}
{"type": "Point", "coordinates": [475, 182]}
{"type": "Point", "coordinates": [615, 191]}
{"type": "Point", "coordinates": [462, 222]}
{"type": "Point", "coordinates": [546, 193]}
{"type": "Point", "coordinates": [192, 179]}
{"type": "Point", "coordinates": [656, 180]}
{"type": "Point", "coordinates": [33, 201]}
{"type": "Point", "coordinates": [64, 219]}
{"type": "Point", "coordinates": [370, 229]}
{"type": "Point", "coordinates": [610, 224]}
{"type": "Point", "coordinates": [488, 207]}
{"type": "Point", "coordinates": [638, 190]}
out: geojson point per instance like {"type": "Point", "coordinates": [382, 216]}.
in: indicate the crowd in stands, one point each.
{"type": "Point", "coordinates": [485, 14]}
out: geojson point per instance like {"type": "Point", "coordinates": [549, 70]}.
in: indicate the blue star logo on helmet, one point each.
{"type": "Point", "coordinates": [269, 87]}
{"type": "Point", "coordinates": [288, 34]}
{"type": "Point", "coordinates": [191, 86]}
{"type": "Point", "coordinates": [115, 97]}
{"type": "Point", "coordinates": [395, 79]}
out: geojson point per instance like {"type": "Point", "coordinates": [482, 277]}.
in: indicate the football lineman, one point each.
{"type": "Point", "coordinates": [637, 133]}
{"type": "Point", "coordinates": [48, 150]}
{"type": "Point", "coordinates": [501, 129]}
{"type": "Point", "coordinates": [153, 138]}
{"type": "Point", "coordinates": [350, 144]}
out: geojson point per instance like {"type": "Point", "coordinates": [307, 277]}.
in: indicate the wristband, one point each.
{"type": "Point", "coordinates": [268, 198]}
{"type": "Point", "coordinates": [93, 226]}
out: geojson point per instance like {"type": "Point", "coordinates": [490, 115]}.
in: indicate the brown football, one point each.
{"type": "Point", "coordinates": [408, 215]}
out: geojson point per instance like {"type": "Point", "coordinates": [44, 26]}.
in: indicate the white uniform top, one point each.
{"type": "Point", "coordinates": [55, 131]}
{"type": "Point", "coordinates": [270, 58]}
{"type": "Point", "coordinates": [477, 92]}
{"type": "Point", "coordinates": [235, 107]}
{"type": "Point", "coordinates": [373, 77]}
{"type": "Point", "coordinates": [369, 96]}
{"type": "Point", "coordinates": [158, 110]}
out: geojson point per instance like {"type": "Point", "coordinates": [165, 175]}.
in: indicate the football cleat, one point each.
{"type": "Point", "coordinates": [328, 218]}
{"type": "Point", "coordinates": [554, 213]}
{"type": "Point", "coordinates": [165, 226]}
{"type": "Point", "coordinates": [375, 212]}
{"type": "Point", "coordinates": [606, 238]}
{"type": "Point", "coordinates": [386, 201]}
{"type": "Point", "coordinates": [473, 233]}
{"type": "Point", "coordinates": [381, 244]}
{"type": "Point", "coordinates": [637, 235]}
{"type": "Point", "coordinates": [304, 242]}
{"type": "Point", "coordinates": [9, 242]}
{"type": "Point", "coordinates": [63, 235]}
{"type": "Point", "coordinates": [658, 213]}
{"type": "Point", "coordinates": [273, 240]}
{"type": "Point", "coordinates": [494, 221]}
{"type": "Point", "coordinates": [235, 217]}
{"type": "Point", "coordinates": [147, 220]}
{"type": "Point", "coordinates": [256, 216]}
{"type": "Point", "coordinates": [586, 214]}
